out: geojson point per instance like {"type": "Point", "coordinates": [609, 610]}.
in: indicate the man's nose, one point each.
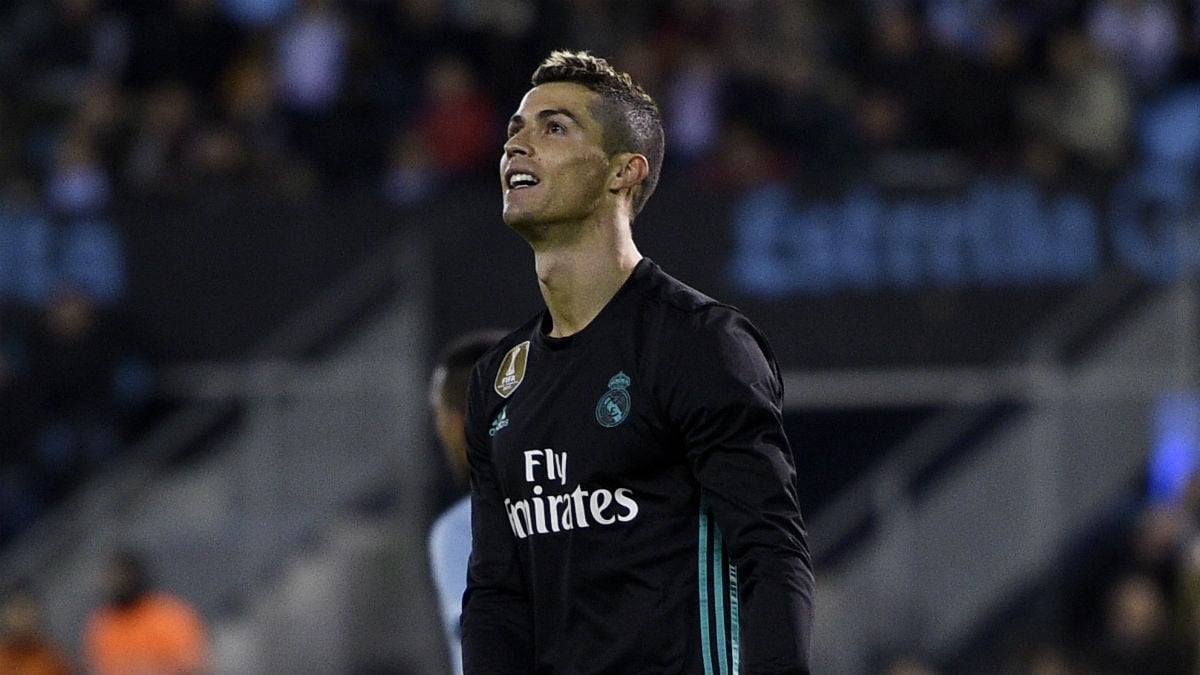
{"type": "Point", "coordinates": [515, 145]}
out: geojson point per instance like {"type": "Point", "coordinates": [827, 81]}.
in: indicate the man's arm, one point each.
{"type": "Point", "coordinates": [497, 623]}
{"type": "Point", "coordinates": [728, 403]}
{"type": "Point", "coordinates": [449, 549]}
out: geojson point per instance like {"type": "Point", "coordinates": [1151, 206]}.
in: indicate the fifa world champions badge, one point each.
{"type": "Point", "coordinates": [614, 405]}
{"type": "Point", "coordinates": [512, 370]}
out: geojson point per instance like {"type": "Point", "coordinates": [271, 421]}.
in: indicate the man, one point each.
{"type": "Point", "coordinates": [142, 630]}
{"type": "Point", "coordinates": [634, 508]}
{"type": "Point", "coordinates": [25, 648]}
{"type": "Point", "coordinates": [450, 536]}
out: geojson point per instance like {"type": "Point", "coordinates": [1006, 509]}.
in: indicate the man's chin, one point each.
{"type": "Point", "coordinates": [530, 229]}
{"type": "Point", "coordinates": [517, 218]}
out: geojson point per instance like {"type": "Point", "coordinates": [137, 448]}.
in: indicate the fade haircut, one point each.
{"type": "Point", "coordinates": [452, 370]}
{"type": "Point", "coordinates": [629, 116]}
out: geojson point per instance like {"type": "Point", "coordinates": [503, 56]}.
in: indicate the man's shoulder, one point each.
{"type": "Point", "coordinates": [698, 327]}
{"type": "Point", "coordinates": [515, 337]}
{"type": "Point", "coordinates": [681, 302]}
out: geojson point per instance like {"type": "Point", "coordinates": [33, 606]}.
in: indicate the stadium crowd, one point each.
{"type": "Point", "coordinates": [110, 100]}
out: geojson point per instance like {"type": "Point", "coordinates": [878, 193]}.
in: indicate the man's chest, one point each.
{"type": "Point", "coordinates": [578, 422]}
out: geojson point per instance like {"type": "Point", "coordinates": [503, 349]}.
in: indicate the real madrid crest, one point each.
{"type": "Point", "coordinates": [512, 370]}
{"type": "Point", "coordinates": [614, 405]}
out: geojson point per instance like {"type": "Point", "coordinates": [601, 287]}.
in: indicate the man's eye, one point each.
{"type": "Point", "coordinates": [555, 128]}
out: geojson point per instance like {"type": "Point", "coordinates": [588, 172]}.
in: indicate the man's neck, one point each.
{"type": "Point", "coordinates": [578, 280]}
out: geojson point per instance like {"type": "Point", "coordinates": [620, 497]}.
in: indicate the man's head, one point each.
{"type": "Point", "coordinates": [584, 133]}
{"type": "Point", "coordinates": [628, 114]}
{"type": "Point", "coordinates": [448, 392]}
{"type": "Point", "coordinates": [127, 578]}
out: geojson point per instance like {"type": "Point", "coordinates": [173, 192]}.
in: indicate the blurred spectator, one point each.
{"type": "Point", "coordinates": [782, 81]}
{"type": "Point", "coordinates": [141, 630]}
{"type": "Point", "coordinates": [450, 537]}
{"type": "Point", "coordinates": [26, 244]}
{"type": "Point", "coordinates": [89, 384]}
{"type": "Point", "coordinates": [312, 55]}
{"type": "Point", "coordinates": [1084, 104]}
{"type": "Point", "coordinates": [747, 161]}
{"type": "Point", "coordinates": [156, 160]}
{"type": "Point", "coordinates": [311, 58]}
{"type": "Point", "coordinates": [1156, 545]}
{"type": "Point", "coordinates": [68, 45]}
{"type": "Point", "coordinates": [501, 41]}
{"type": "Point", "coordinates": [899, 109]}
{"type": "Point", "coordinates": [692, 103]}
{"type": "Point", "coordinates": [24, 648]}
{"type": "Point", "coordinates": [978, 103]}
{"type": "Point", "coordinates": [960, 25]}
{"type": "Point", "coordinates": [1142, 36]}
{"type": "Point", "coordinates": [1137, 638]}
{"type": "Point", "coordinates": [409, 34]}
{"type": "Point", "coordinates": [78, 183]}
{"type": "Point", "coordinates": [101, 118]}
{"type": "Point", "coordinates": [249, 104]}
{"type": "Point", "coordinates": [457, 119]}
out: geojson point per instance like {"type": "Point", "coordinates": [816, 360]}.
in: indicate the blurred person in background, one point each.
{"type": "Point", "coordinates": [65, 47]}
{"type": "Point", "coordinates": [1143, 37]}
{"type": "Point", "coordinates": [140, 630]}
{"type": "Point", "coordinates": [312, 58]}
{"type": "Point", "coordinates": [456, 118]}
{"type": "Point", "coordinates": [631, 480]}
{"type": "Point", "coordinates": [1083, 105]}
{"type": "Point", "coordinates": [1138, 636]}
{"type": "Point", "coordinates": [450, 537]}
{"type": "Point", "coordinates": [78, 184]}
{"type": "Point", "coordinates": [24, 647]}
{"type": "Point", "coordinates": [90, 386]}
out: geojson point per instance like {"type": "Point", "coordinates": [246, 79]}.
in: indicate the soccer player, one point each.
{"type": "Point", "coordinates": [450, 536]}
{"type": "Point", "coordinates": [634, 507]}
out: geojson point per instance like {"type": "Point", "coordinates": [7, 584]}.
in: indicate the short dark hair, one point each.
{"type": "Point", "coordinates": [455, 362]}
{"type": "Point", "coordinates": [629, 115]}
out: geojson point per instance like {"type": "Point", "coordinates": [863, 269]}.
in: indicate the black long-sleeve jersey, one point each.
{"type": "Point", "coordinates": [634, 508]}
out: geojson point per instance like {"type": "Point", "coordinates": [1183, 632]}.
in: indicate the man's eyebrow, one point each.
{"type": "Point", "coordinates": [518, 120]}
{"type": "Point", "coordinates": [551, 112]}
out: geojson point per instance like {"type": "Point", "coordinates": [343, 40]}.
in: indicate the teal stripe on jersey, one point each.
{"type": "Point", "coordinates": [718, 567]}
{"type": "Point", "coordinates": [734, 634]}
{"type": "Point", "coordinates": [718, 588]}
{"type": "Point", "coordinates": [702, 562]}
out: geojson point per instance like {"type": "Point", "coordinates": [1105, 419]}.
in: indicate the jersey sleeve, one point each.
{"type": "Point", "coordinates": [725, 396]}
{"type": "Point", "coordinates": [497, 623]}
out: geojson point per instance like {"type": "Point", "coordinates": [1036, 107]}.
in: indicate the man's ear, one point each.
{"type": "Point", "coordinates": [632, 169]}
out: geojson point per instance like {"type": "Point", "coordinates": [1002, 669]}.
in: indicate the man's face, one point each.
{"type": "Point", "coordinates": [554, 169]}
